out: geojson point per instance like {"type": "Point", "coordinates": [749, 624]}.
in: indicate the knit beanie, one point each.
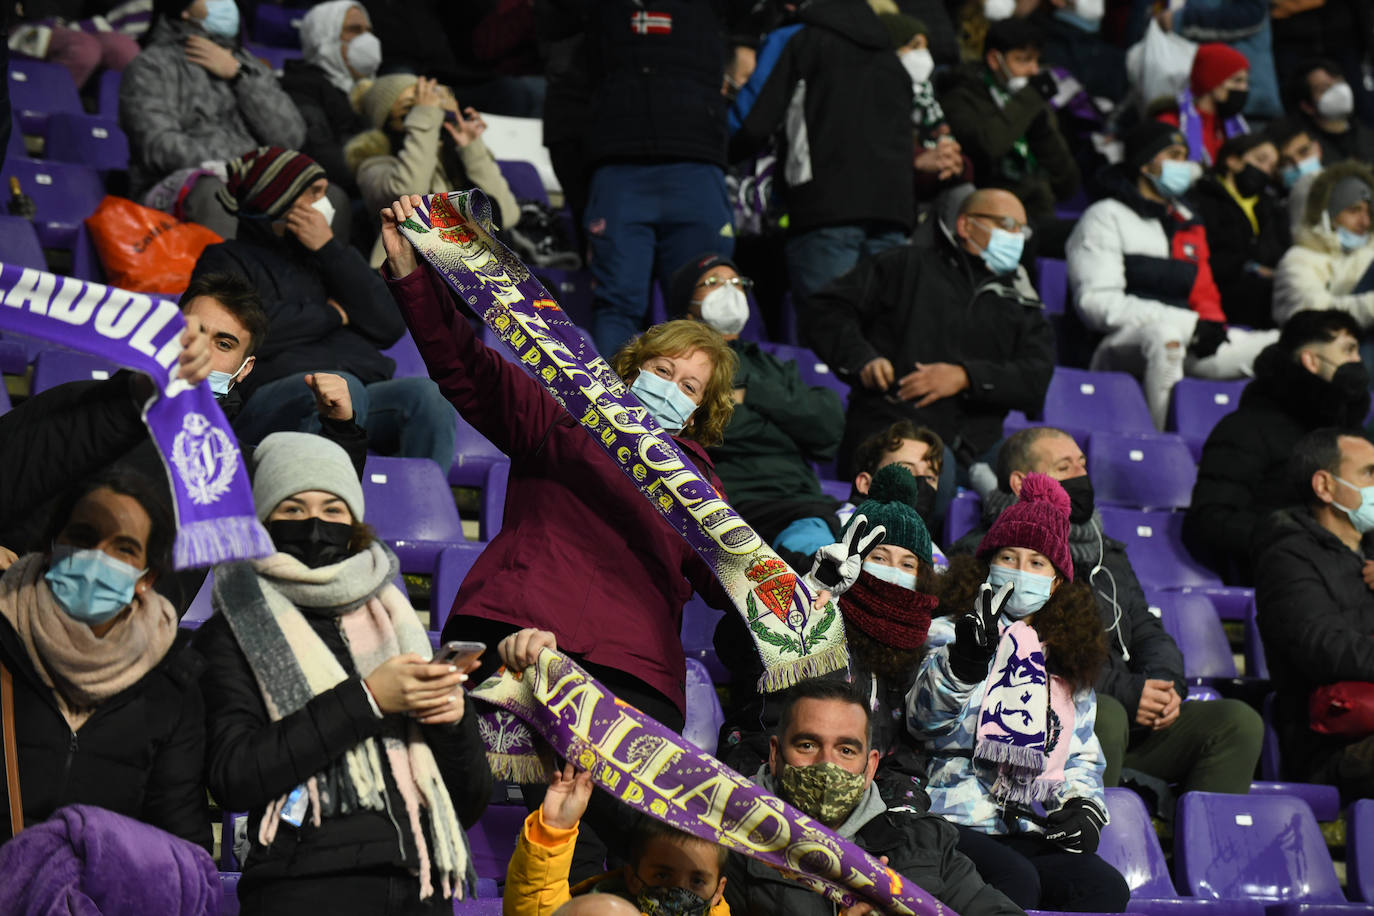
{"type": "Point", "coordinates": [891, 502]}
{"type": "Point", "coordinates": [901, 28]}
{"type": "Point", "coordinates": [1146, 140]}
{"type": "Point", "coordinates": [289, 463]}
{"type": "Point", "coordinates": [684, 281]}
{"type": "Point", "coordinates": [267, 181]}
{"type": "Point", "coordinates": [376, 105]}
{"type": "Point", "coordinates": [1347, 192]}
{"type": "Point", "coordinates": [1039, 520]}
{"type": "Point", "coordinates": [1214, 64]}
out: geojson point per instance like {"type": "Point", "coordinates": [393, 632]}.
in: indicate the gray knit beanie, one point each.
{"type": "Point", "coordinates": [1346, 192]}
{"type": "Point", "coordinates": [376, 104]}
{"type": "Point", "coordinates": [291, 463]}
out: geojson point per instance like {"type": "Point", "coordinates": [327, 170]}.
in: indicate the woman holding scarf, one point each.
{"type": "Point", "coordinates": [1004, 703]}
{"type": "Point", "coordinates": [581, 553]}
{"type": "Point", "coordinates": [327, 720]}
{"type": "Point", "coordinates": [106, 709]}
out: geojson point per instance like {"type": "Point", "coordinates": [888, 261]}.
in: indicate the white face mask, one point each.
{"type": "Point", "coordinates": [892, 574]}
{"type": "Point", "coordinates": [326, 209]}
{"type": "Point", "coordinates": [726, 309]}
{"type": "Point", "coordinates": [1091, 10]}
{"type": "Point", "coordinates": [998, 9]}
{"type": "Point", "coordinates": [918, 63]}
{"type": "Point", "coordinates": [1337, 102]}
{"type": "Point", "coordinates": [364, 54]}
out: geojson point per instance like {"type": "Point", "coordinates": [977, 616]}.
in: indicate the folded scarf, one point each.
{"type": "Point", "coordinates": [1025, 723]}
{"type": "Point", "coordinates": [83, 669]}
{"type": "Point", "coordinates": [265, 603]}
{"type": "Point", "coordinates": [892, 614]}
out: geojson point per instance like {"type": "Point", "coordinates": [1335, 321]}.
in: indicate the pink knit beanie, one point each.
{"type": "Point", "coordinates": [1038, 520]}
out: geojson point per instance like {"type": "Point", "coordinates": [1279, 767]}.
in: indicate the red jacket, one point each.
{"type": "Point", "coordinates": [581, 552]}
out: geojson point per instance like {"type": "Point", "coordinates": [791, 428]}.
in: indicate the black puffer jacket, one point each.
{"type": "Point", "coordinates": [252, 761]}
{"type": "Point", "coordinates": [848, 158]}
{"type": "Point", "coordinates": [330, 120]}
{"type": "Point", "coordinates": [1235, 250]}
{"type": "Point", "coordinates": [1240, 478]}
{"type": "Point", "coordinates": [1316, 617]}
{"type": "Point", "coordinates": [933, 305]}
{"type": "Point", "coordinates": [140, 754]}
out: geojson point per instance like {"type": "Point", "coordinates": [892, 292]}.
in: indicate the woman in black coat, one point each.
{"type": "Point", "coordinates": [107, 710]}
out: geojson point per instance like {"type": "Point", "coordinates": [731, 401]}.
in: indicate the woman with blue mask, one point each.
{"type": "Point", "coordinates": [1004, 704]}
{"type": "Point", "coordinates": [106, 707]}
{"type": "Point", "coordinates": [1331, 264]}
{"type": "Point", "coordinates": [581, 553]}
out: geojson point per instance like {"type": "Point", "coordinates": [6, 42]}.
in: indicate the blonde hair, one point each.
{"type": "Point", "coordinates": [679, 338]}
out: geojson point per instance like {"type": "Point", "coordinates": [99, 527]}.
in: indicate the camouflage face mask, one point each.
{"type": "Point", "coordinates": [671, 901]}
{"type": "Point", "coordinates": [826, 791]}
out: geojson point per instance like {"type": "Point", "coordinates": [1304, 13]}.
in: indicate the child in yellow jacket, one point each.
{"type": "Point", "coordinates": [671, 873]}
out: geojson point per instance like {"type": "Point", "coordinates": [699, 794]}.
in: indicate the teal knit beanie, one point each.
{"type": "Point", "coordinates": [891, 502]}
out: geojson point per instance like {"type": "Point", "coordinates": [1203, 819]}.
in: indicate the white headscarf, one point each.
{"type": "Point", "coordinates": [320, 31]}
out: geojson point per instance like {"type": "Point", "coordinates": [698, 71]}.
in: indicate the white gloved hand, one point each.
{"type": "Point", "coordinates": [837, 566]}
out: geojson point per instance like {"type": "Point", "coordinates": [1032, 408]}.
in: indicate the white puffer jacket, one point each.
{"type": "Point", "coordinates": [1316, 274]}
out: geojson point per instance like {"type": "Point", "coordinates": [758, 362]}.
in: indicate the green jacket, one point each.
{"type": "Point", "coordinates": [989, 134]}
{"type": "Point", "coordinates": [782, 426]}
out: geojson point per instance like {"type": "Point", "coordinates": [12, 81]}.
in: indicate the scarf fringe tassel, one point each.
{"type": "Point", "coordinates": [781, 675]}
{"type": "Point", "coordinates": [526, 769]}
{"type": "Point", "coordinates": [220, 540]}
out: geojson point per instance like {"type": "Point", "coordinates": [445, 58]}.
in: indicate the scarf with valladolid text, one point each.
{"type": "Point", "coordinates": [216, 521]}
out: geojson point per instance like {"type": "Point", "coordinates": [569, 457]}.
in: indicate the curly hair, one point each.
{"type": "Point", "coordinates": [1068, 625]}
{"type": "Point", "coordinates": [682, 337]}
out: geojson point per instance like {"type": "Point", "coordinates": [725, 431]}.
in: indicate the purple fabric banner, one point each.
{"type": "Point", "coordinates": [657, 772]}
{"type": "Point", "coordinates": [216, 521]}
{"type": "Point", "coordinates": [452, 233]}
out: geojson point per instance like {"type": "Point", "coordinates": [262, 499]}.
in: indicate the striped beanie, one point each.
{"type": "Point", "coordinates": [267, 181]}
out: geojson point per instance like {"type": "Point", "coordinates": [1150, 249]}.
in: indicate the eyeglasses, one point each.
{"type": "Point", "coordinates": [1006, 223]}
{"type": "Point", "coordinates": [744, 284]}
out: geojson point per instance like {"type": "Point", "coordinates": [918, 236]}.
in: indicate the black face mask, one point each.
{"type": "Point", "coordinates": [1081, 500]}
{"type": "Point", "coordinates": [313, 541]}
{"type": "Point", "coordinates": [1351, 380]}
{"type": "Point", "coordinates": [1250, 181]}
{"type": "Point", "coordinates": [925, 498]}
{"type": "Point", "coordinates": [1233, 104]}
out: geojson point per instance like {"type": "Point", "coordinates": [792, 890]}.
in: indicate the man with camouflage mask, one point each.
{"type": "Point", "coordinates": [822, 762]}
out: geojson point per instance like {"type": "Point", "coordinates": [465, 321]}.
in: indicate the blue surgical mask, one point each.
{"type": "Point", "coordinates": [1174, 179]}
{"type": "Point", "coordinates": [1351, 240]}
{"type": "Point", "coordinates": [891, 574]}
{"type": "Point", "coordinates": [1293, 174]}
{"type": "Point", "coordinates": [221, 18]}
{"type": "Point", "coordinates": [665, 400]}
{"type": "Point", "coordinates": [1003, 251]}
{"type": "Point", "coordinates": [1362, 516]}
{"type": "Point", "coordinates": [90, 585]}
{"type": "Point", "coordinates": [221, 382]}
{"type": "Point", "coordinates": [1029, 594]}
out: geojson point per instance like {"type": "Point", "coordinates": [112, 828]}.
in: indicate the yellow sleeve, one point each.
{"type": "Point", "coordinates": [537, 879]}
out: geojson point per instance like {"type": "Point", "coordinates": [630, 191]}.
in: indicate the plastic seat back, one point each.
{"type": "Point", "coordinates": [704, 715]}
{"type": "Point", "coordinates": [38, 90]}
{"type": "Point", "coordinates": [524, 180]}
{"type": "Point", "coordinates": [411, 507]}
{"type": "Point", "coordinates": [963, 515]}
{"type": "Point", "coordinates": [1054, 284]}
{"type": "Point", "coordinates": [90, 140]}
{"type": "Point", "coordinates": [1149, 470]}
{"type": "Point", "coordinates": [1129, 845]}
{"type": "Point", "coordinates": [1198, 404]}
{"type": "Point", "coordinates": [278, 26]}
{"type": "Point", "coordinates": [63, 193]}
{"type": "Point", "coordinates": [1359, 849]}
{"type": "Point", "coordinates": [451, 567]}
{"type": "Point", "coordinates": [1154, 543]}
{"type": "Point", "coordinates": [56, 367]}
{"type": "Point", "coordinates": [1193, 623]}
{"type": "Point", "coordinates": [1097, 401]}
{"type": "Point", "coordinates": [19, 243]}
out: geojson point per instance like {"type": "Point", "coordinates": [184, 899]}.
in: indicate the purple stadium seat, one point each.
{"type": "Point", "coordinates": [37, 91]}
{"type": "Point", "coordinates": [571, 289]}
{"type": "Point", "coordinates": [409, 362]}
{"type": "Point", "coordinates": [524, 180]}
{"type": "Point", "coordinates": [1359, 850]}
{"type": "Point", "coordinates": [274, 57]}
{"type": "Point", "coordinates": [228, 862]}
{"type": "Point", "coordinates": [1324, 800]}
{"type": "Point", "coordinates": [229, 883]}
{"type": "Point", "coordinates": [1193, 623]}
{"type": "Point", "coordinates": [1201, 694]}
{"type": "Point", "coordinates": [107, 93]}
{"type": "Point", "coordinates": [19, 245]}
{"type": "Point", "coordinates": [1054, 284]}
{"type": "Point", "coordinates": [279, 26]}
{"type": "Point", "coordinates": [478, 463]}
{"type": "Point", "coordinates": [698, 636]}
{"type": "Point", "coordinates": [963, 515]}
{"type": "Point", "coordinates": [704, 715]}
{"type": "Point", "coordinates": [90, 140]}
{"type": "Point", "coordinates": [1155, 547]}
{"type": "Point", "coordinates": [53, 367]}
{"type": "Point", "coordinates": [813, 371]}
{"type": "Point", "coordinates": [1198, 404]}
{"type": "Point", "coordinates": [478, 906]}
{"type": "Point", "coordinates": [493, 838]}
{"type": "Point", "coordinates": [411, 507]}
{"type": "Point", "coordinates": [1256, 665]}
{"type": "Point", "coordinates": [450, 569]}
{"type": "Point", "coordinates": [1233, 602]}
{"type": "Point", "coordinates": [63, 193]}
{"type": "Point", "coordinates": [836, 489]}
{"type": "Point", "coordinates": [1255, 847]}
{"type": "Point", "coordinates": [1270, 765]}
{"type": "Point", "coordinates": [1097, 401]}
{"type": "Point", "coordinates": [201, 607]}
{"type": "Point", "coordinates": [1150, 470]}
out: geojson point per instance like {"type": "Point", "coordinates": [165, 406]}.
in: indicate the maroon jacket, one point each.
{"type": "Point", "coordinates": [581, 552]}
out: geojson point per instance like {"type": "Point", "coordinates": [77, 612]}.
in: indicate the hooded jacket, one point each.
{"type": "Point", "coordinates": [1316, 273]}
{"type": "Point", "coordinates": [177, 115]}
{"type": "Point", "coordinates": [833, 83]}
{"type": "Point", "coordinates": [1241, 473]}
{"type": "Point", "coordinates": [929, 305]}
{"type": "Point", "coordinates": [990, 128]}
{"type": "Point", "coordinates": [1316, 617]}
{"type": "Point", "coordinates": [920, 847]}
{"type": "Point", "coordinates": [1235, 249]}
{"type": "Point", "coordinates": [1135, 261]}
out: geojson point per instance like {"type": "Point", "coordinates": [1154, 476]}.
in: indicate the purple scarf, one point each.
{"type": "Point", "coordinates": [1190, 122]}
{"type": "Point", "coordinates": [656, 772]}
{"type": "Point", "coordinates": [215, 517]}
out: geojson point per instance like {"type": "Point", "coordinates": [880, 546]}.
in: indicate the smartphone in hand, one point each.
{"type": "Point", "coordinates": [462, 654]}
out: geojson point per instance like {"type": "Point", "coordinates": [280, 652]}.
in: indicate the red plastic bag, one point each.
{"type": "Point", "coordinates": [145, 249]}
{"type": "Point", "coordinates": [1345, 708]}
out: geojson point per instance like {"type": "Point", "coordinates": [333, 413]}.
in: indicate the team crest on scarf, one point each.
{"type": "Point", "coordinates": [205, 459]}
{"type": "Point", "coordinates": [790, 629]}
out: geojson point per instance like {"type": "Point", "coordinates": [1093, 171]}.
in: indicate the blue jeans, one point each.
{"type": "Point", "coordinates": [815, 258]}
{"type": "Point", "coordinates": [647, 219]}
{"type": "Point", "coordinates": [407, 417]}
